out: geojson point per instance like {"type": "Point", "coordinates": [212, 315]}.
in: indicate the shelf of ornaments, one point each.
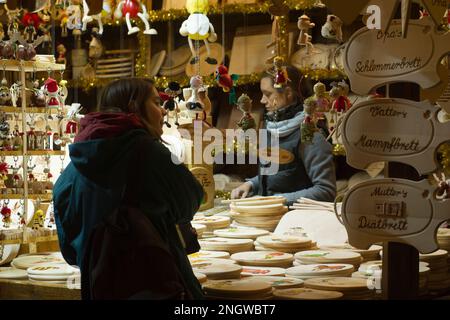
{"type": "Point", "coordinates": [50, 235]}
{"type": "Point", "coordinates": [10, 109]}
{"type": "Point", "coordinates": [40, 64]}
{"type": "Point", "coordinates": [33, 153]}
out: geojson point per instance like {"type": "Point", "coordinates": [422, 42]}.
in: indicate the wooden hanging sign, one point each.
{"type": "Point", "coordinates": [397, 130]}
{"type": "Point", "coordinates": [394, 210]}
{"type": "Point", "coordinates": [436, 9]}
{"type": "Point", "coordinates": [373, 57]}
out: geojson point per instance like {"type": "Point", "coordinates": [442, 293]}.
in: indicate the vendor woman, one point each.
{"type": "Point", "coordinates": [311, 172]}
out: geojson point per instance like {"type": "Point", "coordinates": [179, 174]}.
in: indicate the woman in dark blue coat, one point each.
{"type": "Point", "coordinates": [128, 124]}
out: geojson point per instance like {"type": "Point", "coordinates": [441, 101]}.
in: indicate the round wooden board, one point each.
{"type": "Point", "coordinates": [306, 294]}
{"type": "Point", "coordinates": [325, 270]}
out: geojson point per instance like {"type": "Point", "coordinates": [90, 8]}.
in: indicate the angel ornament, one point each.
{"type": "Point", "coordinates": [132, 9]}
{"type": "Point", "coordinates": [304, 39]}
{"type": "Point", "coordinates": [92, 10]}
{"type": "Point", "coordinates": [197, 27]}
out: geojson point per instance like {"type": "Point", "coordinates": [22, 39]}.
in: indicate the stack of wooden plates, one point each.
{"type": "Point", "coordinates": [352, 288]}
{"type": "Point", "coordinates": [210, 254]}
{"type": "Point", "coordinates": [240, 233]}
{"type": "Point", "coordinates": [288, 244]}
{"type": "Point", "coordinates": [248, 271]}
{"type": "Point", "coordinates": [323, 256]}
{"type": "Point", "coordinates": [243, 289]}
{"type": "Point", "coordinates": [281, 282]}
{"type": "Point", "coordinates": [13, 273]}
{"type": "Point", "coordinates": [26, 261]}
{"type": "Point", "coordinates": [196, 261]}
{"type": "Point", "coordinates": [51, 273]}
{"type": "Point", "coordinates": [373, 270]}
{"type": "Point", "coordinates": [226, 244]}
{"type": "Point", "coordinates": [264, 259]}
{"type": "Point", "coordinates": [212, 223]}
{"type": "Point", "coordinates": [443, 238]}
{"type": "Point", "coordinates": [199, 228]}
{"type": "Point", "coordinates": [218, 271]}
{"type": "Point", "coordinates": [371, 254]}
{"type": "Point", "coordinates": [306, 294]}
{"type": "Point", "coordinates": [201, 277]}
{"type": "Point", "coordinates": [262, 212]}
{"type": "Point", "coordinates": [438, 279]}
{"type": "Point", "coordinates": [310, 271]}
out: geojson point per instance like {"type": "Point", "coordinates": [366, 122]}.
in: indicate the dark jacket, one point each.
{"type": "Point", "coordinates": [90, 189]}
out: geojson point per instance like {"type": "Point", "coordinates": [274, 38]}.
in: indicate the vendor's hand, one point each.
{"type": "Point", "coordinates": [242, 191]}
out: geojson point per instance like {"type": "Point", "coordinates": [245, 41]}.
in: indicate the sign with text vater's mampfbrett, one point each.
{"type": "Point", "coordinates": [397, 130]}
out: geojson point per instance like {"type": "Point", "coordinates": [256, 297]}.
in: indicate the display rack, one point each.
{"type": "Point", "coordinates": [42, 64]}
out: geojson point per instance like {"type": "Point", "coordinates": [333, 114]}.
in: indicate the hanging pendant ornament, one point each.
{"type": "Point", "coordinates": [194, 103]}
{"type": "Point", "coordinates": [74, 20]}
{"type": "Point", "coordinates": [31, 22]}
{"type": "Point", "coordinates": [226, 82]}
{"type": "Point", "coordinates": [92, 10]}
{"type": "Point", "coordinates": [5, 93]}
{"type": "Point", "coordinates": [4, 130]}
{"type": "Point", "coordinates": [6, 214]}
{"type": "Point", "coordinates": [443, 191]}
{"type": "Point", "coordinates": [16, 93]}
{"type": "Point", "coordinates": [304, 24]}
{"type": "Point", "coordinates": [30, 168]}
{"type": "Point", "coordinates": [73, 119]}
{"type": "Point", "coordinates": [17, 135]}
{"type": "Point", "coordinates": [332, 29]}
{"type": "Point", "coordinates": [62, 158]}
{"type": "Point", "coordinates": [48, 133]}
{"type": "Point", "coordinates": [308, 126]}
{"type": "Point", "coordinates": [48, 175]}
{"type": "Point", "coordinates": [281, 77]}
{"type": "Point", "coordinates": [51, 90]}
{"type": "Point", "coordinates": [38, 98]}
{"type": "Point", "coordinates": [17, 178]}
{"type": "Point", "coordinates": [31, 135]}
{"type": "Point", "coordinates": [339, 95]}
{"type": "Point", "coordinates": [170, 104]}
{"type": "Point", "coordinates": [3, 175]}
{"type": "Point", "coordinates": [244, 104]}
{"type": "Point", "coordinates": [63, 91]}
{"type": "Point", "coordinates": [61, 49]}
{"type": "Point", "coordinates": [132, 9]}
{"type": "Point", "coordinates": [21, 214]}
{"type": "Point", "coordinates": [198, 28]}
{"type": "Point", "coordinates": [51, 218]}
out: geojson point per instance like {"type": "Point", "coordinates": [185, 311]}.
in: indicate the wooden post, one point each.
{"type": "Point", "coordinates": [400, 275]}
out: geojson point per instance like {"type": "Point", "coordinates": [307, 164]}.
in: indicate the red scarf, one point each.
{"type": "Point", "coordinates": [101, 125]}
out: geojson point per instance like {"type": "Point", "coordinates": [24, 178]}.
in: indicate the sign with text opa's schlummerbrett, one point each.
{"type": "Point", "coordinates": [397, 130]}
{"type": "Point", "coordinates": [375, 57]}
{"type": "Point", "coordinates": [387, 209]}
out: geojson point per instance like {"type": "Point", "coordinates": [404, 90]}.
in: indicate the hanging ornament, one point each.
{"type": "Point", "coordinates": [339, 95]}
{"type": "Point", "coordinates": [62, 158]}
{"type": "Point", "coordinates": [61, 49]}
{"type": "Point", "coordinates": [6, 214]}
{"type": "Point", "coordinates": [244, 104]}
{"type": "Point", "coordinates": [197, 27]}
{"type": "Point", "coordinates": [73, 117]}
{"type": "Point", "coordinates": [74, 22]}
{"type": "Point", "coordinates": [48, 175]}
{"type": "Point", "coordinates": [30, 168]}
{"type": "Point", "coordinates": [17, 140]}
{"type": "Point", "coordinates": [132, 9]}
{"type": "Point", "coordinates": [38, 219]}
{"type": "Point", "coordinates": [5, 94]}
{"type": "Point", "coordinates": [51, 90]}
{"type": "Point", "coordinates": [4, 130]}
{"type": "Point", "coordinates": [63, 91]}
{"type": "Point", "coordinates": [281, 77]}
{"type": "Point", "coordinates": [194, 104]}
{"type": "Point", "coordinates": [170, 104]}
{"type": "Point", "coordinates": [51, 218]}
{"type": "Point", "coordinates": [3, 175]}
{"type": "Point", "coordinates": [226, 82]}
{"type": "Point", "coordinates": [31, 22]}
{"type": "Point", "coordinates": [332, 29]}
{"type": "Point", "coordinates": [21, 214]}
{"type": "Point", "coordinates": [308, 126]}
{"type": "Point", "coordinates": [92, 10]}
{"type": "Point", "coordinates": [16, 176]}
{"type": "Point", "coordinates": [443, 190]}
{"type": "Point", "coordinates": [304, 24]}
{"type": "Point", "coordinates": [31, 135]}
{"type": "Point", "coordinates": [38, 98]}
{"type": "Point", "coordinates": [16, 93]}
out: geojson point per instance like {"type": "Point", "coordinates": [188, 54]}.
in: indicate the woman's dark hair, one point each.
{"type": "Point", "coordinates": [127, 95]}
{"type": "Point", "coordinates": [300, 85]}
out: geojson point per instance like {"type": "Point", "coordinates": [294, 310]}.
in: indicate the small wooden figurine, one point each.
{"type": "Point", "coordinates": [132, 9]}
{"type": "Point", "coordinates": [247, 121]}
{"type": "Point", "coordinates": [304, 24]}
